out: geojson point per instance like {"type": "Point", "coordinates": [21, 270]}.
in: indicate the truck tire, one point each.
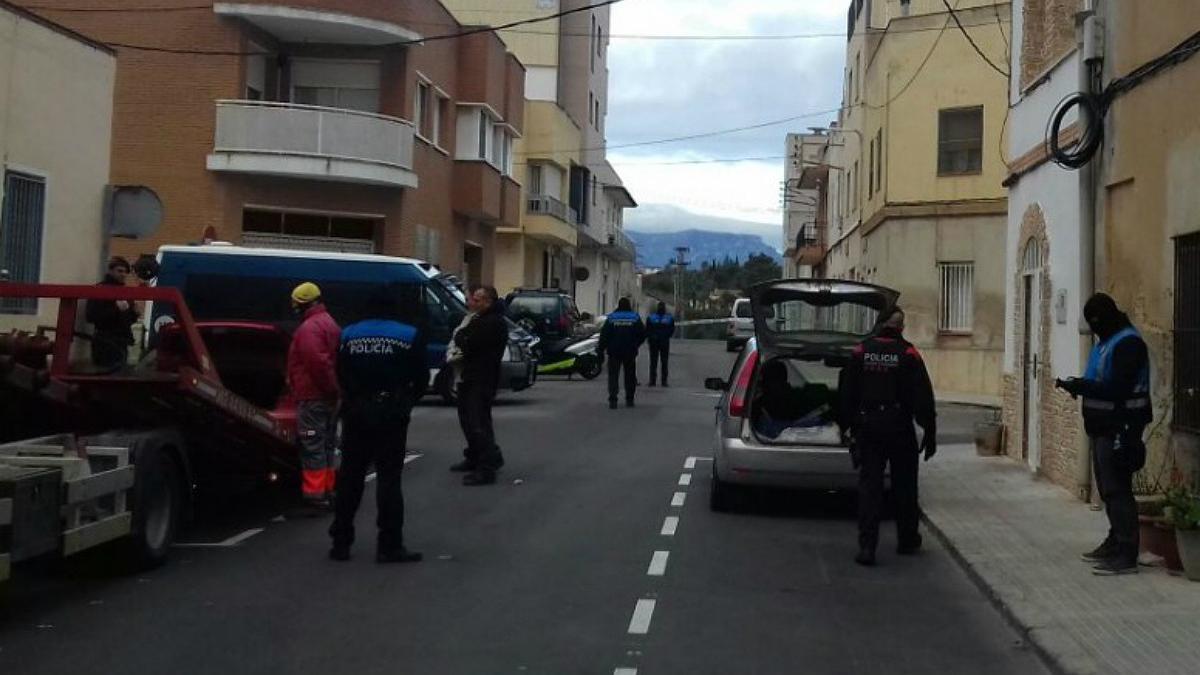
{"type": "Point", "coordinates": [158, 504]}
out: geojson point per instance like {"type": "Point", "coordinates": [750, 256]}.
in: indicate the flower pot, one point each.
{"type": "Point", "coordinates": [989, 438]}
{"type": "Point", "coordinates": [1189, 552]}
{"type": "Point", "coordinates": [1158, 537]}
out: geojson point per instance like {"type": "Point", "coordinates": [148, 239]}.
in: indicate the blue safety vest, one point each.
{"type": "Point", "coordinates": [1099, 369]}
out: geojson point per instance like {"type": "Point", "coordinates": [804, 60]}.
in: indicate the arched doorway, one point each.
{"type": "Point", "coordinates": [1031, 351]}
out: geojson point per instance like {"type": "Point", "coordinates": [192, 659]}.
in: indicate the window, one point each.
{"type": "Point", "coordinates": [24, 214]}
{"type": "Point", "coordinates": [485, 134]}
{"type": "Point", "coordinates": [535, 185]}
{"type": "Point", "coordinates": [421, 113]}
{"type": "Point", "coordinates": [1187, 333]}
{"type": "Point", "coordinates": [879, 160]}
{"type": "Point", "coordinates": [441, 110]}
{"type": "Point", "coordinates": [362, 100]}
{"type": "Point", "coordinates": [871, 172]}
{"type": "Point", "coordinates": [596, 116]}
{"type": "Point", "coordinates": [498, 159]}
{"type": "Point", "coordinates": [600, 41]}
{"type": "Point", "coordinates": [905, 7]}
{"type": "Point", "coordinates": [595, 42]}
{"type": "Point", "coordinates": [428, 244]}
{"type": "Point", "coordinates": [856, 196]}
{"type": "Point", "coordinates": [858, 69]}
{"type": "Point", "coordinates": [957, 306]}
{"type": "Point", "coordinates": [592, 108]}
{"type": "Point", "coordinates": [960, 141]}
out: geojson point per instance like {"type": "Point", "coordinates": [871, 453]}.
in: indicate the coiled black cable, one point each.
{"type": "Point", "coordinates": [1091, 116]}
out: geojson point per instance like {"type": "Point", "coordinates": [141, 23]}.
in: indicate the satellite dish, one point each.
{"type": "Point", "coordinates": [134, 211]}
{"type": "Point", "coordinates": [582, 274]}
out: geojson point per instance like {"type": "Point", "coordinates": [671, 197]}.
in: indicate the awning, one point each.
{"type": "Point", "coordinates": [290, 24]}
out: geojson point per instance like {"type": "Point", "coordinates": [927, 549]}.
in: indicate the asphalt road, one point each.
{"type": "Point", "coordinates": [561, 568]}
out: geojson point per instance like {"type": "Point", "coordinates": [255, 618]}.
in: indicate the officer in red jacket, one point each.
{"type": "Point", "coordinates": [886, 387]}
{"type": "Point", "coordinates": [312, 380]}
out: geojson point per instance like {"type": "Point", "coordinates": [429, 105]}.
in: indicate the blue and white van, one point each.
{"type": "Point", "coordinates": [241, 298]}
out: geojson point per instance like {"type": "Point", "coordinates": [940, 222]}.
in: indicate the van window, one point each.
{"type": "Point", "coordinates": [741, 309]}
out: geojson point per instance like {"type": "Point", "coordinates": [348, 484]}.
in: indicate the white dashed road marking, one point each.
{"type": "Point", "coordinates": [625, 671]}
{"type": "Point", "coordinates": [228, 543]}
{"type": "Point", "coordinates": [670, 524]}
{"type": "Point", "coordinates": [658, 564]}
{"type": "Point", "coordinates": [690, 462]}
{"type": "Point", "coordinates": [407, 460]}
{"type": "Point", "coordinates": [678, 499]}
{"type": "Point", "coordinates": [685, 479]}
{"type": "Point", "coordinates": [642, 614]}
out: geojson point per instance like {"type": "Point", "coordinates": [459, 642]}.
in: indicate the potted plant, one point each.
{"type": "Point", "coordinates": [989, 436]}
{"type": "Point", "coordinates": [1156, 533]}
{"type": "Point", "coordinates": [1183, 511]}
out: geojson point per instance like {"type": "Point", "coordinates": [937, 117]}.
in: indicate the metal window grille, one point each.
{"type": "Point", "coordinates": [21, 225]}
{"type": "Point", "coordinates": [957, 313]}
{"type": "Point", "coordinates": [1187, 333]}
{"type": "Point", "coordinates": [960, 141]}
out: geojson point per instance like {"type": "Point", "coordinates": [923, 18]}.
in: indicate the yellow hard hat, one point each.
{"type": "Point", "coordinates": [306, 293]}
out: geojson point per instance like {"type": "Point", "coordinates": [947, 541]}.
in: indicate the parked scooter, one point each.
{"type": "Point", "coordinates": [578, 355]}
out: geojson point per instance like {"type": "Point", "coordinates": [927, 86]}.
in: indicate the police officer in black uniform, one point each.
{"type": "Point", "coordinates": [1116, 410]}
{"type": "Point", "coordinates": [886, 387]}
{"type": "Point", "coordinates": [381, 367]}
{"type": "Point", "coordinates": [660, 328]}
{"type": "Point", "coordinates": [620, 338]}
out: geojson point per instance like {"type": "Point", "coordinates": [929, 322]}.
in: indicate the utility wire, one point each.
{"type": "Point", "coordinates": [954, 15]}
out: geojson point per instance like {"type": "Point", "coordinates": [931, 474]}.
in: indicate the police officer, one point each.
{"type": "Point", "coordinates": [885, 387]}
{"type": "Point", "coordinates": [660, 328]}
{"type": "Point", "coordinates": [620, 338]}
{"type": "Point", "coordinates": [1116, 409]}
{"type": "Point", "coordinates": [380, 367]}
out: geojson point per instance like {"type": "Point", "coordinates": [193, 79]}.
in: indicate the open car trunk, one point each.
{"type": "Point", "coordinates": [806, 330]}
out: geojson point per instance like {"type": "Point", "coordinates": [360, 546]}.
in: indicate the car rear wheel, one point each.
{"type": "Point", "coordinates": [723, 497]}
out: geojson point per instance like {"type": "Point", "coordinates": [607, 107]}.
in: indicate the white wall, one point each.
{"type": "Point", "coordinates": [56, 99]}
{"type": "Point", "coordinates": [541, 83]}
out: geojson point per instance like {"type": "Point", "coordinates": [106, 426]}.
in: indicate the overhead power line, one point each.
{"type": "Point", "coordinates": [963, 30]}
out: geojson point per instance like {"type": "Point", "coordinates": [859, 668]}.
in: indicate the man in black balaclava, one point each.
{"type": "Point", "coordinates": [1116, 410]}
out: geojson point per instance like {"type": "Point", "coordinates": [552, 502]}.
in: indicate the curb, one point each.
{"type": "Point", "coordinates": [1048, 658]}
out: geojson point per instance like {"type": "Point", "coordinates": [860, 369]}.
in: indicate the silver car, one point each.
{"type": "Point", "coordinates": [741, 325]}
{"type": "Point", "coordinates": [777, 420]}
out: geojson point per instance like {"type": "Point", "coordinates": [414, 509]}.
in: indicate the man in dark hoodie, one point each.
{"type": "Point", "coordinates": [112, 321]}
{"type": "Point", "coordinates": [885, 387]}
{"type": "Point", "coordinates": [1116, 410]}
{"type": "Point", "coordinates": [482, 341]}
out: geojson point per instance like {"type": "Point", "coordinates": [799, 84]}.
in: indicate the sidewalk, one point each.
{"type": "Point", "coordinates": [1020, 538]}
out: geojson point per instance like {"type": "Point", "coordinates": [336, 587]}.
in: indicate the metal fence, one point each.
{"type": "Point", "coordinates": [1187, 333]}
{"type": "Point", "coordinates": [21, 236]}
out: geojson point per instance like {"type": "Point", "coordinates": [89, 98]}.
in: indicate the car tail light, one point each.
{"type": "Point", "coordinates": [741, 386]}
{"type": "Point", "coordinates": [730, 328]}
{"type": "Point", "coordinates": [564, 323]}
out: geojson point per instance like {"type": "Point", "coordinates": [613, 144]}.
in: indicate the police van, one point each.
{"type": "Point", "coordinates": [240, 297]}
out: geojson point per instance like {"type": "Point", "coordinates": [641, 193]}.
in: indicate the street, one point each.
{"type": "Point", "coordinates": [595, 553]}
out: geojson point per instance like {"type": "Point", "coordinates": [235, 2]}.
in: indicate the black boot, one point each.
{"type": "Point", "coordinates": [1106, 550]}
{"type": "Point", "coordinates": [464, 466]}
{"type": "Point", "coordinates": [910, 547]}
{"type": "Point", "coordinates": [865, 557]}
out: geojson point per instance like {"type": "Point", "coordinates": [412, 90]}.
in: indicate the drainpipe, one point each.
{"type": "Point", "coordinates": [1092, 53]}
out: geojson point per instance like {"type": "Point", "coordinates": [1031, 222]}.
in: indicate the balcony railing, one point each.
{"type": "Point", "coordinates": [313, 142]}
{"type": "Point", "coordinates": [550, 206]}
{"type": "Point", "coordinates": [621, 244]}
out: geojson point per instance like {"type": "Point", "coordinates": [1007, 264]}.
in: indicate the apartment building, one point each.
{"type": "Point", "coordinates": [56, 110]}
{"type": "Point", "coordinates": [806, 176]}
{"type": "Point", "coordinates": [315, 124]}
{"type": "Point", "coordinates": [915, 199]}
{"type": "Point", "coordinates": [571, 234]}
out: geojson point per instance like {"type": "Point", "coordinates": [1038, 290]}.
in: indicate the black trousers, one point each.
{"type": "Point", "coordinates": [372, 433]}
{"type": "Point", "coordinates": [879, 448]}
{"type": "Point", "coordinates": [475, 417]}
{"type": "Point", "coordinates": [1115, 458]}
{"type": "Point", "coordinates": [660, 353]}
{"type": "Point", "coordinates": [617, 365]}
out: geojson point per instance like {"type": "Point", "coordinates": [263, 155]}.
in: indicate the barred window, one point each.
{"type": "Point", "coordinates": [960, 141]}
{"type": "Point", "coordinates": [1187, 333]}
{"type": "Point", "coordinates": [957, 305]}
{"type": "Point", "coordinates": [21, 223]}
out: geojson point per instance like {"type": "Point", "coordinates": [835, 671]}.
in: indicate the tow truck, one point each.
{"type": "Point", "coordinates": [122, 455]}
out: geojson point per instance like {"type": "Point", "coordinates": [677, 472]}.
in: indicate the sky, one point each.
{"type": "Point", "coordinates": [667, 88]}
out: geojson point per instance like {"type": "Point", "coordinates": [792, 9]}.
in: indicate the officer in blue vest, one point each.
{"type": "Point", "coordinates": [660, 328]}
{"type": "Point", "coordinates": [620, 338]}
{"type": "Point", "coordinates": [1116, 410]}
{"type": "Point", "coordinates": [381, 368]}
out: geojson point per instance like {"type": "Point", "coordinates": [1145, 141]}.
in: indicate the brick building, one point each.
{"type": "Point", "coordinates": [319, 124]}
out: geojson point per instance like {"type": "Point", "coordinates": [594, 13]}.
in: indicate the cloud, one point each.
{"type": "Point", "coordinates": [661, 89]}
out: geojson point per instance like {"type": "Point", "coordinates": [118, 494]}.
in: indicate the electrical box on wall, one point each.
{"type": "Point", "coordinates": [1060, 307]}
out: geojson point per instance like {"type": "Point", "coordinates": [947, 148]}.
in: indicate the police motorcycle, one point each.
{"type": "Point", "coordinates": [578, 355]}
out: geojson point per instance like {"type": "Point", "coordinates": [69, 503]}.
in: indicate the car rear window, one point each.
{"type": "Point", "coordinates": [806, 316]}
{"type": "Point", "coordinates": [741, 309]}
{"type": "Point", "coordinates": [539, 306]}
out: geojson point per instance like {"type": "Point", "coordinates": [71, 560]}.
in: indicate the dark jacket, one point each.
{"type": "Point", "coordinates": [483, 342]}
{"type": "Point", "coordinates": [660, 328]}
{"type": "Point", "coordinates": [112, 325]}
{"type": "Point", "coordinates": [622, 335]}
{"type": "Point", "coordinates": [887, 373]}
{"type": "Point", "coordinates": [1127, 380]}
{"type": "Point", "coordinates": [377, 356]}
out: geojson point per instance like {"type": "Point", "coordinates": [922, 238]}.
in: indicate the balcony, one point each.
{"type": "Point", "coordinates": [510, 203]}
{"type": "Point", "coordinates": [301, 141]}
{"type": "Point", "coordinates": [620, 246]}
{"type": "Point", "coordinates": [550, 220]}
{"type": "Point", "coordinates": [477, 191]}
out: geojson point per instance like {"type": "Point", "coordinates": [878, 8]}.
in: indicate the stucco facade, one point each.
{"type": "Point", "coordinates": [899, 207]}
{"type": "Point", "coordinates": [56, 102]}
